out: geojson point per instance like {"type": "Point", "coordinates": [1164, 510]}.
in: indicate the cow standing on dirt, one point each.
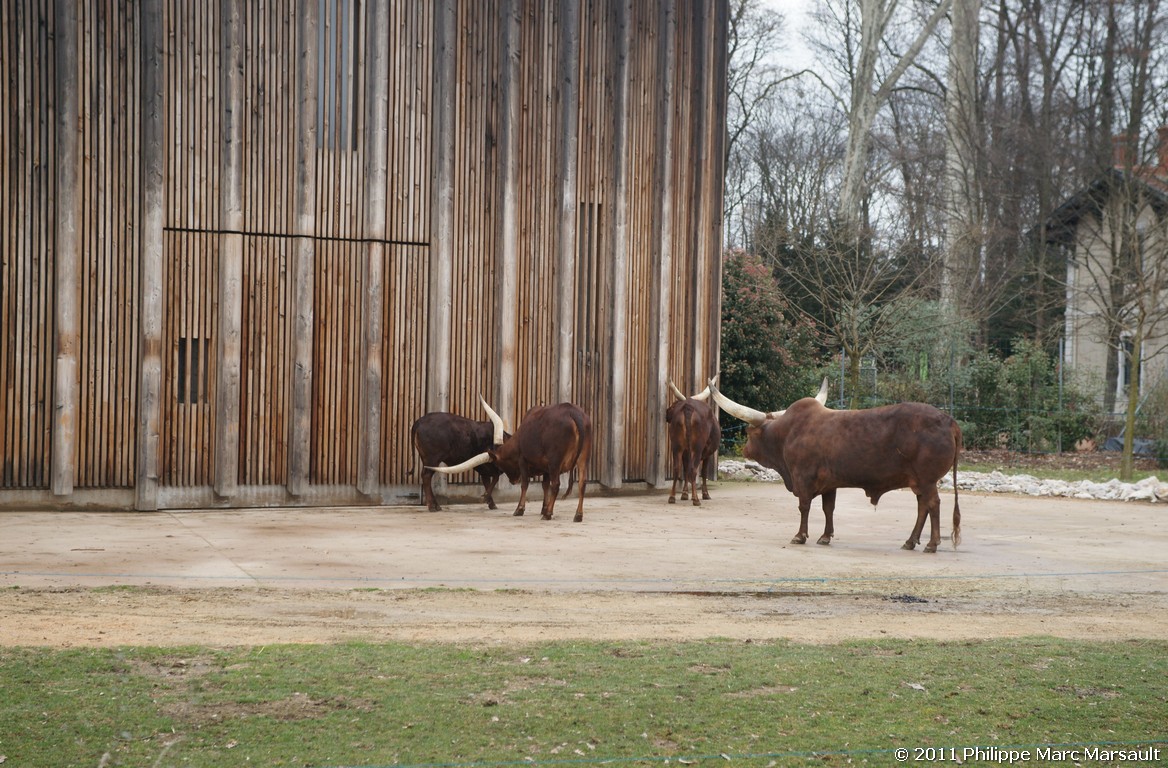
{"type": "Point", "coordinates": [818, 450]}
{"type": "Point", "coordinates": [694, 435]}
{"type": "Point", "coordinates": [446, 438]}
{"type": "Point", "coordinates": [551, 441]}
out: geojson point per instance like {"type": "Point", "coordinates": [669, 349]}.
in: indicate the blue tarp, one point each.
{"type": "Point", "coordinates": [1141, 446]}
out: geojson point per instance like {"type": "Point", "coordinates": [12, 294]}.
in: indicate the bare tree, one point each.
{"type": "Point", "coordinates": [872, 70]}
{"type": "Point", "coordinates": [963, 265]}
{"type": "Point", "coordinates": [753, 76]}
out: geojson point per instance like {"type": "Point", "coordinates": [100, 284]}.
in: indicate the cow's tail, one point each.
{"type": "Point", "coordinates": [580, 439]}
{"type": "Point", "coordinates": [957, 446]}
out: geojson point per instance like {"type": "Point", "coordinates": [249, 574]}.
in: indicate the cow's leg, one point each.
{"type": "Point", "coordinates": [922, 513]}
{"type": "Point", "coordinates": [428, 499]}
{"type": "Point", "coordinates": [828, 517]}
{"type": "Point", "coordinates": [804, 510]}
{"type": "Point", "coordinates": [683, 466]}
{"type": "Point", "coordinates": [489, 483]}
{"type": "Point", "coordinates": [677, 477]}
{"type": "Point", "coordinates": [692, 466]}
{"type": "Point", "coordinates": [933, 497]}
{"type": "Point", "coordinates": [707, 470]}
{"type": "Point", "coordinates": [523, 481]}
{"type": "Point", "coordinates": [551, 489]}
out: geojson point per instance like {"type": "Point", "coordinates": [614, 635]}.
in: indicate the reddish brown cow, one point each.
{"type": "Point", "coordinates": [818, 450]}
{"type": "Point", "coordinates": [446, 438]}
{"type": "Point", "coordinates": [694, 434]}
{"type": "Point", "coordinates": [552, 440]}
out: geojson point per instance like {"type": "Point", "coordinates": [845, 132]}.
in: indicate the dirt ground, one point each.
{"type": "Point", "coordinates": [636, 568]}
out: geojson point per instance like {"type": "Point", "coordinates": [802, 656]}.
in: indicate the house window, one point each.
{"type": "Point", "coordinates": [1127, 375]}
{"type": "Point", "coordinates": [337, 74]}
{"type": "Point", "coordinates": [193, 362]}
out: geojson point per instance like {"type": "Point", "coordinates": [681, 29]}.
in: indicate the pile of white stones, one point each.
{"type": "Point", "coordinates": [1149, 489]}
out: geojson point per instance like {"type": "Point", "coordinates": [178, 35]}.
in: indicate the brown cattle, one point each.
{"type": "Point", "coordinates": [818, 450]}
{"type": "Point", "coordinates": [694, 434]}
{"type": "Point", "coordinates": [552, 440]}
{"type": "Point", "coordinates": [446, 438]}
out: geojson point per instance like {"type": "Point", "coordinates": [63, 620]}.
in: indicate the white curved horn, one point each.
{"type": "Point", "coordinates": [498, 422]}
{"type": "Point", "coordinates": [705, 393]}
{"type": "Point", "coordinates": [470, 463]}
{"type": "Point", "coordinates": [822, 396]}
{"type": "Point", "coordinates": [749, 415]}
{"type": "Point", "coordinates": [676, 391]}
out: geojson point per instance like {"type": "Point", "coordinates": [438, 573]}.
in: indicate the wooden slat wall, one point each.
{"type": "Point", "coordinates": [339, 120]}
{"type": "Point", "coordinates": [336, 354]}
{"type": "Point", "coordinates": [27, 197]}
{"type": "Point", "coordinates": [188, 363]}
{"type": "Point", "coordinates": [191, 248]}
{"type": "Point", "coordinates": [108, 350]}
{"type": "Point", "coordinates": [473, 354]}
{"type": "Point", "coordinates": [644, 98]}
{"type": "Point", "coordinates": [266, 348]}
{"type": "Point", "coordinates": [405, 360]}
{"type": "Point", "coordinates": [596, 206]}
{"type": "Point", "coordinates": [538, 152]}
{"type": "Point", "coordinates": [411, 88]}
{"type": "Point", "coordinates": [614, 235]}
{"type": "Point", "coordinates": [684, 208]}
{"type": "Point", "coordinates": [193, 106]}
{"type": "Point", "coordinates": [269, 122]}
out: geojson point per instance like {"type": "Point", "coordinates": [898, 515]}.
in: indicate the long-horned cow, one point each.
{"type": "Point", "coordinates": [551, 441]}
{"type": "Point", "coordinates": [451, 439]}
{"type": "Point", "coordinates": [817, 450]}
{"type": "Point", "coordinates": [694, 434]}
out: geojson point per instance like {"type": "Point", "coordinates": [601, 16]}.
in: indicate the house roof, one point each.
{"type": "Point", "coordinates": [1153, 180]}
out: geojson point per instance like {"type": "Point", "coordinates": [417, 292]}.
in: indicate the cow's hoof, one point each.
{"type": "Point", "coordinates": [545, 517]}
{"type": "Point", "coordinates": [579, 518]}
{"type": "Point", "coordinates": [705, 496]}
{"type": "Point", "coordinates": [519, 513]}
{"type": "Point", "coordinates": [696, 501]}
{"type": "Point", "coordinates": [672, 499]}
{"type": "Point", "coordinates": [824, 540]}
{"type": "Point", "coordinates": [491, 505]}
{"type": "Point", "coordinates": [909, 545]}
{"type": "Point", "coordinates": [800, 539]}
{"type": "Point", "coordinates": [685, 497]}
{"type": "Point", "coordinates": [930, 548]}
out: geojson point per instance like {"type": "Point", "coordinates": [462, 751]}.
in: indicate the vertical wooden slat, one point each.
{"type": "Point", "coordinates": [613, 474]}
{"type": "Point", "coordinates": [569, 131]}
{"type": "Point", "coordinates": [664, 317]}
{"type": "Point", "coordinates": [152, 290]}
{"type": "Point", "coordinates": [719, 31]}
{"type": "Point", "coordinates": [441, 207]}
{"type": "Point", "coordinates": [299, 445]}
{"type": "Point", "coordinates": [507, 256]}
{"type": "Point", "coordinates": [375, 137]}
{"type": "Point", "coordinates": [66, 254]}
{"type": "Point", "coordinates": [227, 347]}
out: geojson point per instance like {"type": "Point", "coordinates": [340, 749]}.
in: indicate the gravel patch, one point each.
{"type": "Point", "coordinates": [1150, 489]}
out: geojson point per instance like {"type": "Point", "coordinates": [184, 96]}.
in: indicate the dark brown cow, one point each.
{"type": "Point", "coordinates": [446, 438]}
{"type": "Point", "coordinates": [552, 440]}
{"type": "Point", "coordinates": [818, 450]}
{"type": "Point", "coordinates": [694, 434]}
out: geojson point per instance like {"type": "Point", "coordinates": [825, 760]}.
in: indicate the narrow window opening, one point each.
{"type": "Point", "coordinates": [192, 370]}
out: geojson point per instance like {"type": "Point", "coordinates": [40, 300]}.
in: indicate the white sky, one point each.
{"type": "Point", "coordinates": [795, 54]}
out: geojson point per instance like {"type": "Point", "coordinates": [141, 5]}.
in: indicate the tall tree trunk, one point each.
{"type": "Point", "coordinates": [963, 251]}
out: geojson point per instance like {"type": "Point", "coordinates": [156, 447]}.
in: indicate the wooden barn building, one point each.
{"type": "Point", "coordinates": [244, 244]}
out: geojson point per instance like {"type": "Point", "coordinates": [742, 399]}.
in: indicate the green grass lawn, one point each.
{"type": "Point", "coordinates": [575, 703]}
